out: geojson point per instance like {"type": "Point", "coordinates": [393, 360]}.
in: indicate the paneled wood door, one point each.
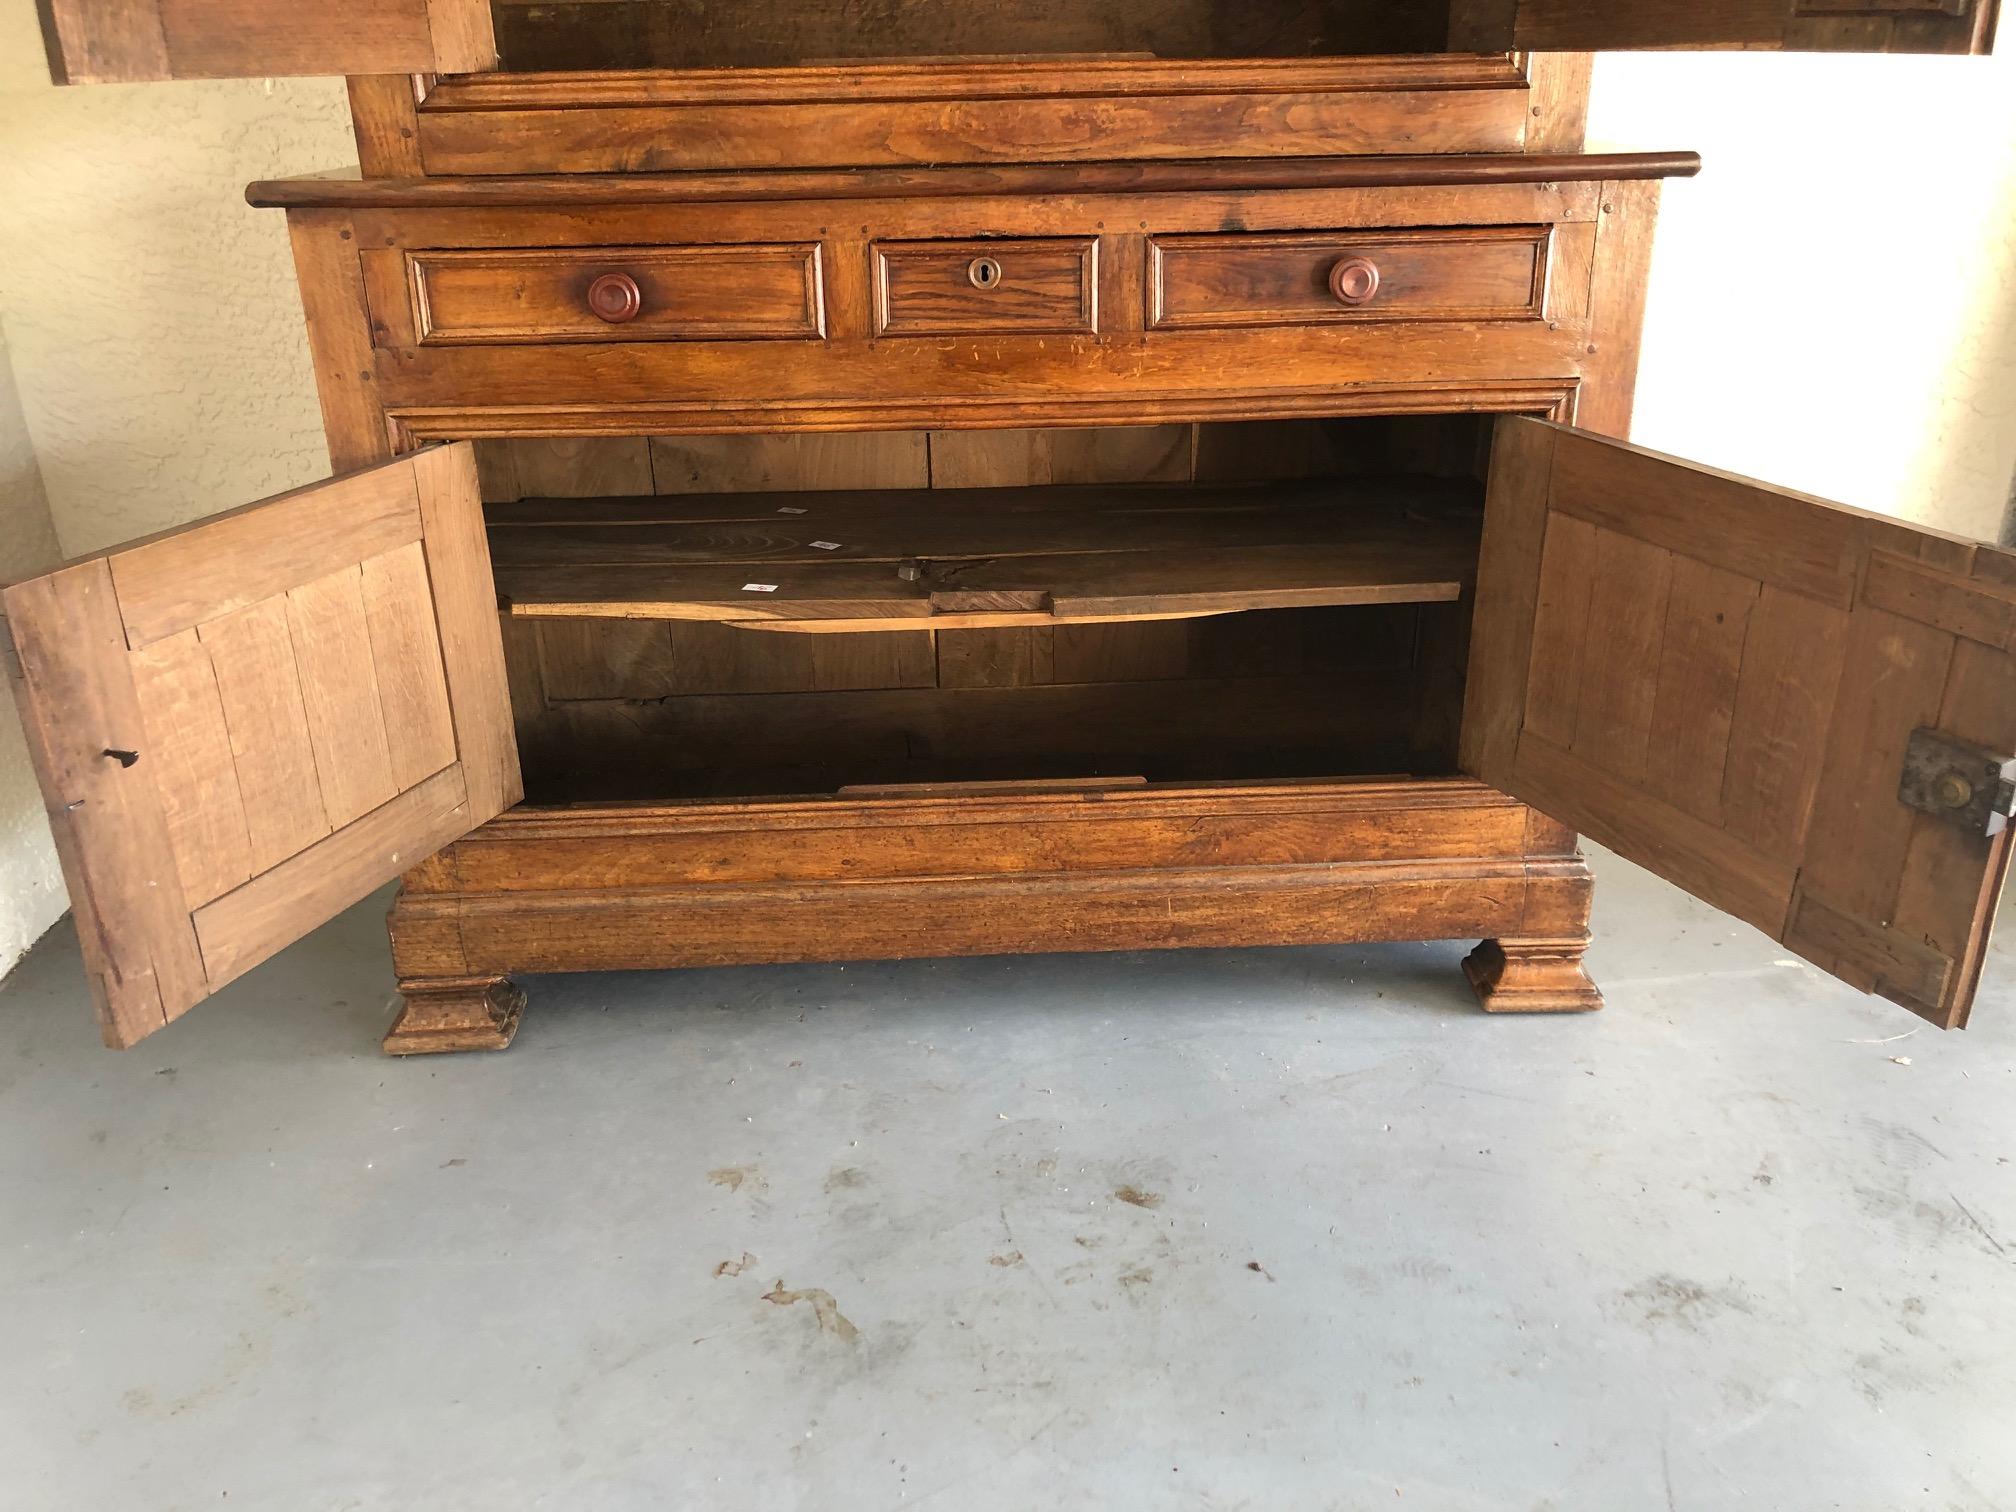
{"type": "Point", "coordinates": [244, 726]}
{"type": "Point", "coordinates": [1734, 685]}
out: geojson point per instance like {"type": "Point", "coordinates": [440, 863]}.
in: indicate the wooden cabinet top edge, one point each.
{"type": "Point", "coordinates": [1161, 176]}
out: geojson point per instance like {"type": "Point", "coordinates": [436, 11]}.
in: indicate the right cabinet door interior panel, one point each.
{"type": "Point", "coordinates": [1798, 712]}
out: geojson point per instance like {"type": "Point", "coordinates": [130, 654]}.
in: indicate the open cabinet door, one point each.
{"type": "Point", "coordinates": [1800, 713]}
{"type": "Point", "coordinates": [136, 41]}
{"type": "Point", "coordinates": [244, 726]}
{"type": "Point", "coordinates": [1874, 26]}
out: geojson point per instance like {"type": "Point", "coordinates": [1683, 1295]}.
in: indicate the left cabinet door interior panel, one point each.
{"type": "Point", "coordinates": [139, 41]}
{"type": "Point", "coordinates": [243, 726]}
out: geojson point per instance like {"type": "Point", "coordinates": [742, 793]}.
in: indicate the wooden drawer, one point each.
{"type": "Point", "coordinates": [1309, 278]}
{"type": "Point", "coordinates": [907, 341]}
{"type": "Point", "coordinates": [1039, 285]}
{"type": "Point", "coordinates": [539, 294]}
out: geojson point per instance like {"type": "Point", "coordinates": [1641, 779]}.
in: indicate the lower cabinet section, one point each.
{"type": "Point", "coordinates": [1005, 870]}
{"type": "Point", "coordinates": [1039, 691]}
{"type": "Point", "coordinates": [1151, 687]}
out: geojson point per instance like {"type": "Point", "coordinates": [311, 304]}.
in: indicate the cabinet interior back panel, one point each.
{"type": "Point", "coordinates": [1274, 693]}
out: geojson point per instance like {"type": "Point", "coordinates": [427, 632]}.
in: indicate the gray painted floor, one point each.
{"type": "Point", "coordinates": [1719, 1246]}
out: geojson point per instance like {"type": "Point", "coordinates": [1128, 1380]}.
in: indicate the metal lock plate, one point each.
{"type": "Point", "coordinates": [1969, 786]}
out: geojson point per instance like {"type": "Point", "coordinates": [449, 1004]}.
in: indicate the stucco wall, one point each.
{"type": "Point", "coordinates": [1833, 304]}
{"type": "Point", "coordinates": [156, 336]}
{"type": "Point", "coordinates": [31, 887]}
{"type": "Point", "coordinates": [152, 313]}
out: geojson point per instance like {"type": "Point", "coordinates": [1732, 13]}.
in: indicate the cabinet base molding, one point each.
{"type": "Point", "coordinates": [640, 887]}
{"type": "Point", "coordinates": [1532, 976]}
{"type": "Point", "coordinates": [456, 1013]}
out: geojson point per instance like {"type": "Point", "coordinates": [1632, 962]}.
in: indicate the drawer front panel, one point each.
{"type": "Point", "coordinates": [1046, 285]}
{"type": "Point", "coordinates": [1484, 273]}
{"type": "Point", "coordinates": [727, 293]}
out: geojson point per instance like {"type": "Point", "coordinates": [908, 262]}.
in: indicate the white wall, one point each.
{"type": "Point", "coordinates": [31, 887]}
{"type": "Point", "coordinates": [156, 337]}
{"type": "Point", "coordinates": [1833, 305]}
{"type": "Point", "coordinates": [1833, 300]}
{"type": "Point", "coordinates": [156, 332]}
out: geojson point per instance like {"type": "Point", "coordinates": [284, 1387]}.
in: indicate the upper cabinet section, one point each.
{"type": "Point", "coordinates": [537, 35]}
{"type": "Point", "coordinates": [681, 34]}
{"type": "Point", "coordinates": [139, 41]}
{"type": "Point", "coordinates": [109, 41]}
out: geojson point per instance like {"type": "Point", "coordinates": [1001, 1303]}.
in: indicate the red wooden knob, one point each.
{"type": "Point", "coordinates": [615, 297]}
{"type": "Point", "coordinates": [1354, 280]}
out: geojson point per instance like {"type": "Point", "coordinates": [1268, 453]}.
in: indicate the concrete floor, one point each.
{"type": "Point", "coordinates": [1267, 1229]}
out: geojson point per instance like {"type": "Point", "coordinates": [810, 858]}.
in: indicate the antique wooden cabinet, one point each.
{"type": "Point", "coordinates": [1009, 478]}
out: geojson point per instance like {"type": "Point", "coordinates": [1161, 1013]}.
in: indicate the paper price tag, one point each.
{"type": "Point", "coordinates": [759, 587]}
{"type": "Point", "coordinates": [825, 545]}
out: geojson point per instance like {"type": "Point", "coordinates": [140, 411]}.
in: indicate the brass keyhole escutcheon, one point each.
{"type": "Point", "coordinates": [984, 273]}
{"type": "Point", "coordinates": [1954, 791]}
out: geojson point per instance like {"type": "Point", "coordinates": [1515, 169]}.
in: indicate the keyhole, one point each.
{"type": "Point", "coordinates": [983, 272]}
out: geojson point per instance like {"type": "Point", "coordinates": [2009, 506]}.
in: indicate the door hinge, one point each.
{"type": "Point", "coordinates": [1969, 786]}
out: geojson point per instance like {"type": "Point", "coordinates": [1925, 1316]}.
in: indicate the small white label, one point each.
{"type": "Point", "coordinates": [759, 587]}
{"type": "Point", "coordinates": [825, 545]}
{"type": "Point", "coordinates": [788, 509]}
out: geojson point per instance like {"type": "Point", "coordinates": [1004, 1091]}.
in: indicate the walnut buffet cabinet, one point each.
{"type": "Point", "coordinates": [825, 482]}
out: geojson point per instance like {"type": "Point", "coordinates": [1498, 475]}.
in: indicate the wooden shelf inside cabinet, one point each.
{"type": "Point", "coordinates": [983, 558]}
